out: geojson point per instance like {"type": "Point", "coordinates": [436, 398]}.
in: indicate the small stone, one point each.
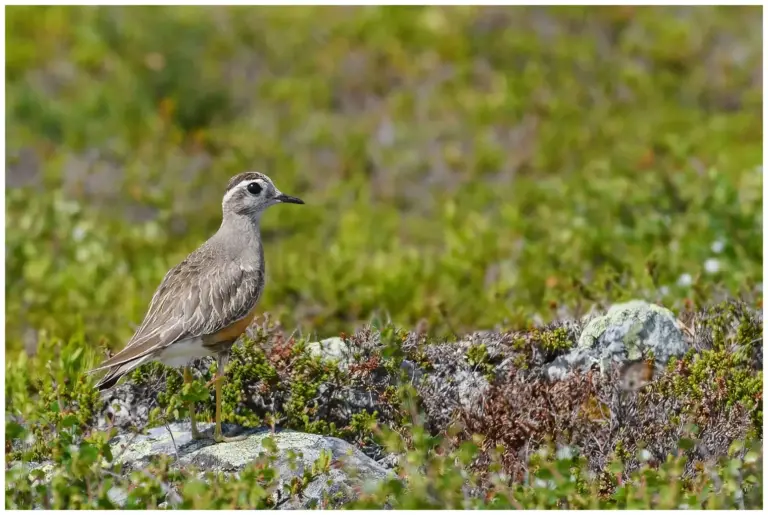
{"type": "Point", "coordinates": [117, 495]}
{"type": "Point", "coordinates": [332, 349]}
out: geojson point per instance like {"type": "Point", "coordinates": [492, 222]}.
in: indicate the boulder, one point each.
{"type": "Point", "coordinates": [296, 451]}
{"type": "Point", "coordinates": [628, 332]}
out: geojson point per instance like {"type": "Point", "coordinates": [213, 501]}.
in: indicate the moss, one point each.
{"type": "Point", "coordinates": [543, 344]}
{"type": "Point", "coordinates": [556, 340]}
{"type": "Point", "coordinates": [620, 452]}
{"type": "Point", "coordinates": [519, 344]}
{"type": "Point", "coordinates": [693, 374]}
{"type": "Point", "coordinates": [478, 358]}
{"type": "Point", "coordinates": [521, 362]}
{"type": "Point", "coordinates": [732, 333]}
{"type": "Point", "coordinates": [420, 359]}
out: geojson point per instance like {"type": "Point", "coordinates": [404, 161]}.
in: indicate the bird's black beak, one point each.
{"type": "Point", "coordinates": [287, 199]}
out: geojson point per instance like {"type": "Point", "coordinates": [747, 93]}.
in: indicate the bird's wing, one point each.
{"type": "Point", "coordinates": [194, 299]}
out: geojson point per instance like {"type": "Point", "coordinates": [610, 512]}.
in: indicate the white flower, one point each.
{"type": "Point", "coordinates": [712, 265]}
{"type": "Point", "coordinates": [685, 280]}
{"type": "Point", "coordinates": [78, 233]}
{"type": "Point", "coordinates": [564, 453]}
{"type": "Point", "coordinates": [718, 246]}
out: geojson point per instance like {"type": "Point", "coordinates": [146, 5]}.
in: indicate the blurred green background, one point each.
{"type": "Point", "coordinates": [467, 167]}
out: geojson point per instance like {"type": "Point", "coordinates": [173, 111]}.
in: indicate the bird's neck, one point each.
{"type": "Point", "coordinates": [241, 231]}
{"type": "Point", "coordinates": [242, 222]}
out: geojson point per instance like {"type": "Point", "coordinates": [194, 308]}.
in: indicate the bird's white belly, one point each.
{"type": "Point", "coordinates": [182, 352]}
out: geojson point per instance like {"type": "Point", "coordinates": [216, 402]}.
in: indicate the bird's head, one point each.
{"type": "Point", "coordinates": [250, 193]}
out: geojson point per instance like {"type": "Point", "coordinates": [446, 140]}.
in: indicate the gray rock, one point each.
{"type": "Point", "coordinates": [296, 452]}
{"type": "Point", "coordinates": [390, 460]}
{"type": "Point", "coordinates": [339, 351]}
{"type": "Point", "coordinates": [117, 495]}
{"type": "Point", "coordinates": [471, 387]}
{"type": "Point", "coordinates": [128, 405]}
{"type": "Point", "coordinates": [577, 359]}
{"type": "Point", "coordinates": [453, 382]}
{"type": "Point", "coordinates": [627, 333]}
{"type": "Point", "coordinates": [413, 373]}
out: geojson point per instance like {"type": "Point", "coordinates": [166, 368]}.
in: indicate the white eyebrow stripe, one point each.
{"type": "Point", "coordinates": [240, 186]}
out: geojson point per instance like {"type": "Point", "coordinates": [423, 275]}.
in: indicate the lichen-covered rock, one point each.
{"type": "Point", "coordinates": [634, 323]}
{"type": "Point", "coordinates": [350, 468]}
{"type": "Point", "coordinates": [628, 332]}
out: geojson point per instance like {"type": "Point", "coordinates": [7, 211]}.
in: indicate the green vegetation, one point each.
{"type": "Point", "coordinates": [732, 344]}
{"type": "Point", "coordinates": [478, 358]}
{"type": "Point", "coordinates": [438, 478]}
{"type": "Point", "coordinates": [464, 169]}
{"type": "Point", "coordinates": [595, 160]}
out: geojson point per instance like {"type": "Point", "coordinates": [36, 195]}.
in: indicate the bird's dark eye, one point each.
{"type": "Point", "coordinates": [254, 188]}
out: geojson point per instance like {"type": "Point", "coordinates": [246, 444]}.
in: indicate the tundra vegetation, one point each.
{"type": "Point", "coordinates": [477, 180]}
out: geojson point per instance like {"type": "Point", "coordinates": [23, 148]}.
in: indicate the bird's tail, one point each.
{"type": "Point", "coordinates": [118, 371]}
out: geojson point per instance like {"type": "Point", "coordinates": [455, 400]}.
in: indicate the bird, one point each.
{"type": "Point", "coordinates": [205, 303]}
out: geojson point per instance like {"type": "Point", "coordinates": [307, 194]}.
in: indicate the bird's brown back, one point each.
{"type": "Point", "coordinates": [211, 295]}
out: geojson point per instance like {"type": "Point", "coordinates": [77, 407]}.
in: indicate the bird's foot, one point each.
{"type": "Point", "coordinates": [220, 438]}
{"type": "Point", "coordinates": [197, 435]}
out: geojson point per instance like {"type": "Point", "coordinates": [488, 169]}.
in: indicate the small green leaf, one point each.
{"type": "Point", "coordinates": [467, 452]}
{"type": "Point", "coordinates": [616, 467]}
{"type": "Point", "coordinates": [269, 444]}
{"type": "Point", "coordinates": [545, 473]}
{"type": "Point", "coordinates": [194, 488]}
{"type": "Point", "coordinates": [735, 447]}
{"type": "Point", "coordinates": [88, 453]}
{"type": "Point", "coordinates": [69, 421]}
{"type": "Point", "coordinates": [194, 392]}
{"type": "Point", "coordinates": [14, 430]}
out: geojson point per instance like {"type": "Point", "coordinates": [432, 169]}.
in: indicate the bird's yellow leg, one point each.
{"type": "Point", "coordinates": [191, 406]}
{"type": "Point", "coordinates": [217, 436]}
